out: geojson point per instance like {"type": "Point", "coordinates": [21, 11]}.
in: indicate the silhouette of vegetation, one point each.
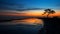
{"type": "Point", "coordinates": [51, 26]}
{"type": "Point", "coordinates": [49, 11]}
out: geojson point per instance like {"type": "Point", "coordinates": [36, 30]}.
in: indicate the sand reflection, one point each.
{"type": "Point", "coordinates": [29, 21]}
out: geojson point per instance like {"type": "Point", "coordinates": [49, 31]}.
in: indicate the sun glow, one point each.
{"type": "Point", "coordinates": [29, 13]}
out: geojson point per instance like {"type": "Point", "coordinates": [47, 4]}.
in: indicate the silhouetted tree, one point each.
{"type": "Point", "coordinates": [49, 11]}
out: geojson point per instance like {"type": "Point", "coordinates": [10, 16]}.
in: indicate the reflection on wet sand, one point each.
{"type": "Point", "coordinates": [31, 21]}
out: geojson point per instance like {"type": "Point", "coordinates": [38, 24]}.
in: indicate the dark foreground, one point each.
{"type": "Point", "coordinates": [51, 26]}
{"type": "Point", "coordinates": [19, 29]}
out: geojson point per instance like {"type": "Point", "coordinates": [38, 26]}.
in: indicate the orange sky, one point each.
{"type": "Point", "coordinates": [29, 13]}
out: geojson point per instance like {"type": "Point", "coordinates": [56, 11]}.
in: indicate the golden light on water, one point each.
{"type": "Point", "coordinates": [34, 13]}
{"type": "Point", "coordinates": [31, 21]}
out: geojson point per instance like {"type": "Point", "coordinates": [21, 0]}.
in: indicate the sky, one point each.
{"type": "Point", "coordinates": [28, 7]}
{"type": "Point", "coordinates": [29, 4]}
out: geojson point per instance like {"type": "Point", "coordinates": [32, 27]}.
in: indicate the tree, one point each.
{"type": "Point", "coordinates": [49, 11]}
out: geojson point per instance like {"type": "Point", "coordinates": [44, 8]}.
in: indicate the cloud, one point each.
{"type": "Point", "coordinates": [5, 5]}
{"type": "Point", "coordinates": [30, 9]}
{"type": "Point", "coordinates": [10, 5]}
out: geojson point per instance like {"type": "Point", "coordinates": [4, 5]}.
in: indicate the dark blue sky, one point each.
{"type": "Point", "coordinates": [26, 4]}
